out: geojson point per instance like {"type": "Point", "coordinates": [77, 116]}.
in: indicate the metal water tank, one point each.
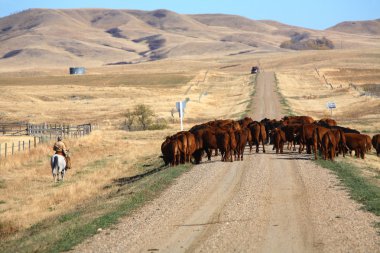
{"type": "Point", "coordinates": [77, 70]}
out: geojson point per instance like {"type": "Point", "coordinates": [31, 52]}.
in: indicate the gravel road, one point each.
{"type": "Point", "coordinates": [266, 203]}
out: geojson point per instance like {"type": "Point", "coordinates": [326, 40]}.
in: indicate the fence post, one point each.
{"type": "Point", "coordinates": [6, 149]}
{"type": "Point", "coordinates": [29, 144]}
{"type": "Point", "coordinates": [13, 148]}
{"type": "Point", "coordinates": [35, 144]}
{"type": "Point", "coordinates": [19, 146]}
{"type": "Point", "coordinates": [23, 145]}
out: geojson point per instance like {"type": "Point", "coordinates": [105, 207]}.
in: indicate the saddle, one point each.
{"type": "Point", "coordinates": [67, 159]}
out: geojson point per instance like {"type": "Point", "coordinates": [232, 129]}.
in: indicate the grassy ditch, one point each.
{"type": "Point", "coordinates": [287, 110]}
{"type": "Point", "coordinates": [64, 232]}
{"type": "Point", "coordinates": [360, 189]}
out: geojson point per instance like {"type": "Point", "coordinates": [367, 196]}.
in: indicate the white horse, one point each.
{"type": "Point", "coordinates": [58, 166]}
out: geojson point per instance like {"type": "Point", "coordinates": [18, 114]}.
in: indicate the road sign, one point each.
{"type": "Point", "coordinates": [331, 105]}
{"type": "Point", "coordinates": [181, 105]}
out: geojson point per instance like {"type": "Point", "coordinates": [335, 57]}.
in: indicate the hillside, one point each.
{"type": "Point", "coordinates": [358, 27]}
{"type": "Point", "coordinates": [46, 38]}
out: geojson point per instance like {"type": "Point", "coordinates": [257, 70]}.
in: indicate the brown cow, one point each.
{"type": "Point", "coordinates": [233, 143]}
{"type": "Point", "coordinates": [328, 145]}
{"type": "Point", "coordinates": [356, 142]}
{"type": "Point", "coordinates": [279, 139]}
{"type": "Point", "coordinates": [170, 151]}
{"type": "Point", "coordinates": [288, 120]}
{"type": "Point", "coordinates": [368, 145]}
{"type": "Point", "coordinates": [270, 124]}
{"type": "Point", "coordinates": [320, 132]}
{"type": "Point", "coordinates": [258, 134]}
{"type": "Point", "coordinates": [308, 138]}
{"type": "Point", "coordinates": [326, 122]}
{"type": "Point", "coordinates": [207, 139]}
{"type": "Point", "coordinates": [191, 146]}
{"type": "Point", "coordinates": [340, 139]}
{"type": "Point", "coordinates": [182, 145]}
{"type": "Point", "coordinates": [241, 139]}
{"type": "Point", "coordinates": [376, 143]}
{"type": "Point", "coordinates": [291, 133]}
{"type": "Point", "coordinates": [226, 142]}
{"type": "Point", "coordinates": [245, 122]}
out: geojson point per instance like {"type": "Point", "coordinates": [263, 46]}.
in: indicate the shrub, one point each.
{"type": "Point", "coordinates": [302, 42]}
{"type": "Point", "coordinates": [143, 118]}
{"type": "Point", "coordinates": [159, 124]}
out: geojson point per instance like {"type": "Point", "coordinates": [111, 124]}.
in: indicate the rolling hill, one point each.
{"type": "Point", "coordinates": [371, 27]}
{"type": "Point", "coordinates": [47, 38]}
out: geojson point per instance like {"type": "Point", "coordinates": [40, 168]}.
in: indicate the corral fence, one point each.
{"type": "Point", "coordinates": [34, 134]}
{"type": "Point", "coordinates": [371, 90]}
{"type": "Point", "coordinates": [13, 129]}
{"type": "Point", "coordinates": [54, 130]}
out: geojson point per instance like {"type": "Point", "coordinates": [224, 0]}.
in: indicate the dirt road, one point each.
{"type": "Point", "coordinates": [267, 203]}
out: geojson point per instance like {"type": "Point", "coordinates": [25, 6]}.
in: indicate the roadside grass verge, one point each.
{"type": "Point", "coordinates": [360, 189]}
{"type": "Point", "coordinates": [286, 109]}
{"type": "Point", "coordinates": [62, 233]}
{"type": "Point", "coordinates": [253, 83]}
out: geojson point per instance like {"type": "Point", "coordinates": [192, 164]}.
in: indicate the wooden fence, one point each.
{"type": "Point", "coordinates": [54, 130]}
{"type": "Point", "coordinates": [39, 133]}
{"type": "Point", "coordinates": [13, 129]}
{"type": "Point", "coordinates": [7, 149]}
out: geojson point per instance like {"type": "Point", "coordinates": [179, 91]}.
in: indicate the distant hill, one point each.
{"type": "Point", "coordinates": [95, 37]}
{"type": "Point", "coordinates": [358, 27]}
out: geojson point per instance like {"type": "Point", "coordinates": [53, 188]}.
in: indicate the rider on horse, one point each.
{"type": "Point", "coordinates": [60, 149]}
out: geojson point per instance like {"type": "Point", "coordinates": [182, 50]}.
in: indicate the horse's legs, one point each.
{"type": "Point", "coordinates": [55, 175]}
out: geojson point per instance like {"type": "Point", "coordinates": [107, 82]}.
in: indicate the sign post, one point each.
{"type": "Point", "coordinates": [331, 106]}
{"type": "Point", "coordinates": [181, 114]}
{"type": "Point", "coordinates": [181, 105]}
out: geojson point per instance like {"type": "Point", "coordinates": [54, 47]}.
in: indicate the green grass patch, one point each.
{"type": "Point", "coordinates": [2, 184]}
{"type": "Point", "coordinates": [360, 189]}
{"type": "Point", "coordinates": [69, 216]}
{"type": "Point", "coordinates": [62, 233]}
{"type": "Point", "coordinates": [2, 202]}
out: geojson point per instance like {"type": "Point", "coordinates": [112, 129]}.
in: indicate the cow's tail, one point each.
{"type": "Point", "coordinates": [317, 135]}
{"type": "Point", "coordinates": [261, 135]}
{"type": "Point", "coordinates": [303, 137]}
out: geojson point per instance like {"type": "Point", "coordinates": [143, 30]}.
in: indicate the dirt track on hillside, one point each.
{"type": "Point", "coordinates": [267, 203]}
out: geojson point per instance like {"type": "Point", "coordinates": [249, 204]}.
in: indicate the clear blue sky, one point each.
{"type": "Point", "coordinates": [316, 14]}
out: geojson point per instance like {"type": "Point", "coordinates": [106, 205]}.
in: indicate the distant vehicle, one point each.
{"type": "Point", "coordinates": [255, 70]}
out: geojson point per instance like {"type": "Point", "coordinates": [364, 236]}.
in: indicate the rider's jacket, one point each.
{"type": "Point", "coordinates": [59, 146]}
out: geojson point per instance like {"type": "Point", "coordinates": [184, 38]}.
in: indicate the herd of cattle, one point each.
{"type": "Point", "coordinates": [230, 138]}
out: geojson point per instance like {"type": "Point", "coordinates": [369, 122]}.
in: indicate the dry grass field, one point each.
{"type": "Point", "coordinates": [27, 191]}
{"type": "Point", "coordinates": [306, 92]}
{"type": "Point", "coordinates": [217, 88]}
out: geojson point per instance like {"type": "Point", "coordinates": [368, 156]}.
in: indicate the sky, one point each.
{"type": "Point", "coordinates": [316, 14]}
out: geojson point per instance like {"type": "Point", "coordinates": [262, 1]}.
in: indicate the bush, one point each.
{"type": "Point", "coordinates": [143, 118]}
{"type": "Point", "coordinates": [159, 125]}
{"type": "Point", "coordinates": [301, 42]}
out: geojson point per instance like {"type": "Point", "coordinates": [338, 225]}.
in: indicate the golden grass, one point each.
{"type": "Point", "coordinates": [20, 143]}
{"type": "Point", "coordinates": [27, 191]}
{"type": "Point", "coordinates": [307, 93]}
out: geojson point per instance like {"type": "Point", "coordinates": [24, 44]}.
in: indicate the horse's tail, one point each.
{"type": "Point", "coordinates": [54, 164]}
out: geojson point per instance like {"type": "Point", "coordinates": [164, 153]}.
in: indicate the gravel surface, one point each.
{"type": "Point", "coordinates": [266, 203]}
